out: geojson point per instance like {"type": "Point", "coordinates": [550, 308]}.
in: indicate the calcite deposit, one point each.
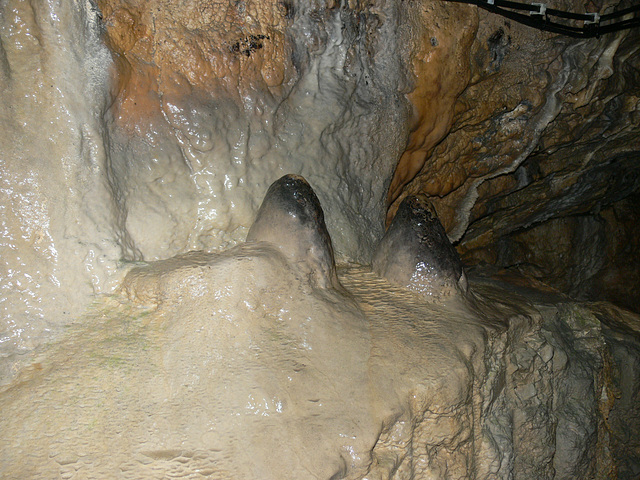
{"type": "Point", "coordinates": [415, 252]}
{"type": "Point", "coordinates": [292, 220]}
{"type": "Point", "coordinates": [212, 360]}
{"type": "Point", "coordinates": [141, 337]}
{"type": "Point", "coordinates": [58, 244]}
{"type": "Point", "coordinates": [218, 100]}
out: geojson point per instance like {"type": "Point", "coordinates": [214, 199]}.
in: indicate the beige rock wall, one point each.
{"type": "Point", "coordinates": [58, 244]}
{"type": "Point", "coordinates": [214, 101]}
{"type": "Point", "coordinates": [215, 358]}
{"type": "Point", "coordinates": [140, 130]}
{"type": "Point", "coordinates": [134, 130]}
{"type": "Point", "coordinates": [167, 142]}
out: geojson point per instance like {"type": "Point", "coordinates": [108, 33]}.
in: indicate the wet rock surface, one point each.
{"type": "Point", "coordinates": [545, 130]}
{"type": "Point", "coordinates": [291, 219]}
{"type": "Point", "coordinates": [149, 129]}
{"type": "Point", "coordinates": [415, 252]}
{"type": "Point", "coordinates": [141, 131]}
{"type": "Point", "coordinates": [219, 99]}
{"type": "Point", "coordinates": [215, 358]}
{"type": "Point", "coordinates": [57, 246]}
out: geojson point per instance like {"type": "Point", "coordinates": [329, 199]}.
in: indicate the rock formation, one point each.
{"type": "Point", "coordinates": [137, 141]}
{"type": "Point", "coordinates": [415, 252]}
{"type": "Point", "coordinates": [216, 358]}
{"type": "Point", "coordinates": [291, 219]}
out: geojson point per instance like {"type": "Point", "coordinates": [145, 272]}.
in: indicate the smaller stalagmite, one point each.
{"type": "Point", "coordinates": [416, 252]}
{"type": "Point", "coordinates": [291, 219]}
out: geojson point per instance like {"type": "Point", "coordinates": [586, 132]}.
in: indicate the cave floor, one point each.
{"type": "Point", "coordinates": [232, 367]}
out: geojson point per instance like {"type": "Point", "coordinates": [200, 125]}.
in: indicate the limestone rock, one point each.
{"type": "Point", "coordinates": [546, 129]}
{"type": "Point", "coordinates": [138, 131]}
{"type": "Point", "coordinates": [291, 219]}
{"type": "Point", "coordinates": [241, 355]}
{"type": "Point", "coordinates": [60, 241]}
{"type": "Point", "coordinates": [416, 253]}
{"type": "Point", "coordinates": [217, 100]}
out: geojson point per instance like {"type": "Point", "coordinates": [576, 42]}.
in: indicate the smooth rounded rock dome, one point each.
{"type": "Point", "coordinates": [291, 218]}
{"type": "Point", "coordinates": [416, 253]}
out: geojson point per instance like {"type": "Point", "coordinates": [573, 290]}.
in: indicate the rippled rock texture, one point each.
{"type": "Point", "coordinates": [216, 100]}
{"type": "Point", "coordinates": [139, 131]}
{"type": "Point", "coordinates": [233, 365]}
{"type": "Point", "coordinates": [58, 243]}
{"type": "Point", "coordinates": [541, 152]}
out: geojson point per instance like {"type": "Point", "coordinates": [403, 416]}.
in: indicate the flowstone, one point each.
{"type": "Point", "coordinates": [206, 361]}
{"type": "Point", "coordinates": [215, 359]}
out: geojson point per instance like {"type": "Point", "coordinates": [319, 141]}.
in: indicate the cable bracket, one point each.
{"type": "Point", "coordinates": [594, 20]}
{"type": "Point", "coordinates": [542, 10]}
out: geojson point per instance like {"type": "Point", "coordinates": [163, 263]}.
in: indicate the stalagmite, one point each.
{"type": "Point", "coordinates": [416, 253]}
{"type": "Point", "coordinates": [292, 219]}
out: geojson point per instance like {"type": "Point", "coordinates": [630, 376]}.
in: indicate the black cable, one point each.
{"type": "Point", "coordinates": [515, 5]}
{"type": "Point", "coordinates": [539, 18]}
{"type": "Point", "coordinates": [620, 13]}
{"type": "Point", "coordinates": [623, 25]}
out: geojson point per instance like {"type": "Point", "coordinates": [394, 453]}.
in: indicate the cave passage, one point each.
{"type": "Point", "coordinates": [259, 239]}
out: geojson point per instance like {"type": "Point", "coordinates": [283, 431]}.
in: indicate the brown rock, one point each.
{"type": "Point", "coordinates": [171, 48]}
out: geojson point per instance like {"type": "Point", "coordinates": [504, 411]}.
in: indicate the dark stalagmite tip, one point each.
{"type": "Point", "coordinates": [291, 219]}
{"type": "Point", "coordinates": [416, 252]}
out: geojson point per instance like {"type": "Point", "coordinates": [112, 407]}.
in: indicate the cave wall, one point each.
{"type": "Point", "coordinates": [505, 128]}
{"type": "Point", "coordinates": [58, 245]}
{"type": "Point", "coordinates": [215, 101]}
{"type": "Point", "coordinates": [154, 128]}
{"type": "Point", "coordinates": [139, 130]}
{"type": "Point", "coordinates": [545, 131]}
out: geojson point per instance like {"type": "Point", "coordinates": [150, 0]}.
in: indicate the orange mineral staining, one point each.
{"type": "Point", "coordinates": [204, 47]}
{"type": "Point", "coordinates": [440, 64]}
